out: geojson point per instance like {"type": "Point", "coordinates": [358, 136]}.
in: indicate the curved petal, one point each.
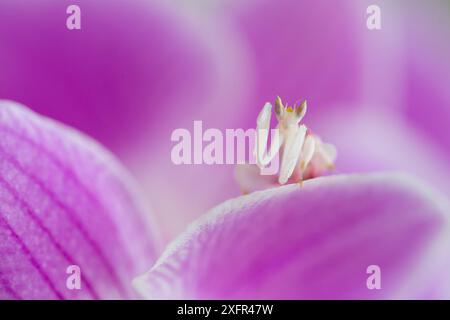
{"type": "Point", "coordinates": [312, 242]}
{"type": "Point", "coordinates": [64, 200]}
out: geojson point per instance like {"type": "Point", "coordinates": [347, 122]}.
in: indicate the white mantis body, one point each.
{"type": "Point", "coordinates": [302, 153]}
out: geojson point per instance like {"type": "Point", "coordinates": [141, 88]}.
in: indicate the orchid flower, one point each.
{"type": "Point", "coordinates": [64, 201]}
{"type": "Point", "coordinates": [67, 201]}
{"type": "Point", "coordinates": [386, 87]}
{"type": "Point", "coordinates": [380, 97]}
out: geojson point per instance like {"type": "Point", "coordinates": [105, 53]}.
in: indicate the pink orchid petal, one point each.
{"type": "Point", "coordinates": [314, 241]}
{"type": "Point", "coordinates": [64, 200]}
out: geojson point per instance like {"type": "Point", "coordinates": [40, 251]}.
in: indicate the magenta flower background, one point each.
{"type": "Point", "coordinates": [138, 70]}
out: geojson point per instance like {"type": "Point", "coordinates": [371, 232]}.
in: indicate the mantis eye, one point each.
{"type": "Point", "coordinates": [301, 110]}
{"type": "Point", "coordinates": [278, 106]}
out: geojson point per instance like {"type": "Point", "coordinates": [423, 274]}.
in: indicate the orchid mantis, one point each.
{"type": "Point", "coordinates": [303, 154]}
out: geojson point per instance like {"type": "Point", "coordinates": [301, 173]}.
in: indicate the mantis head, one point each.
{"type": "Point", "coordinates": [289, 116]}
